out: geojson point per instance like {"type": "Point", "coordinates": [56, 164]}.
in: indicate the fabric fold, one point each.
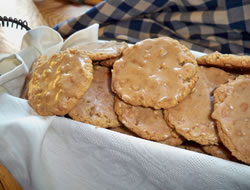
{"type": "Point", "coordinates": [206, 26]}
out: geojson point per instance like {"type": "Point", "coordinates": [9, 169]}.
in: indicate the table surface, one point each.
{"type": "Point", "coordinates": [43, 12]}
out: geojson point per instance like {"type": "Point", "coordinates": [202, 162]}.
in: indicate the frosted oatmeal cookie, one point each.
{"type": "Point", "coordinates": [145, 122]}
{"type": "Point", "coordinates": [219, 151]}
{"type": "Point", "coordinates": [155, 73]}
{"type": "Point", "coordinates": [103, 50]}
{"type": "Point", "coordinates": [24, 93]}
{"type": "Point", "coordinates": [174, 140]}
{"type": "Point", "coordinates": [109, 62]}
{"type": "Point", "coordinates": [192, 146]}
{"type": "Point", "coordinates": [232, 115]}
{"type": "Point", "coordinates": [225, 61]}
{"type": "Point", "coordinates": [191, 118]}
{"type": "Point", "coordinates": [124, 130]}
{"type": "Point", "coordinates": [59, 82]}
{"type": "Point", "coordinates": [96, 107]}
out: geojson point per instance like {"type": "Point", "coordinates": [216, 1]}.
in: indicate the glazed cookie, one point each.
{"type": "Point", "coordinates": [174, 140]}
{"type": "Point", "coordinates": [192, 146]}
{"type": "Point", "coordinates": [7, 180]}
{"type": "Point", "coordinates": [145, 122]}
{"type": "Point", "coordinates": [103, 50]}
{"type": "Point", "coordinates": [155, 73]}
{"type": "Point", "coordinates": [219, 151]}
{"type": "Point", "coordinates": [109, 62]}
{"type": "Point", "coordinates": [232, 115]}
{"type": "Point", "coordinates": [96, 107]}
{"type": "Point", "coordinates": [59, 82]}
{"type": "Point", "coordinates": [191, 118]}
{"type": "Point", "coordinates": [124, 130]}
{"type": "Point", "coordinates": [225, 61]}
{"type": "Point", "coordinates": [24, 93]}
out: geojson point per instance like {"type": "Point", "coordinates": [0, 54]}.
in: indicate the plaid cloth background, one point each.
{"type": "Point", "coordinates": [90, 2]}
{"type": "Point", "coordinates": [208, 25]}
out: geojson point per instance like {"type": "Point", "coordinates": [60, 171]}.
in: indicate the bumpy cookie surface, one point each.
{"type": "Point", "coordinates": [145, 122]}
{"type": "Point", "coordinates": [232, 115]}
{"type": "Point", "coordinates": [192, 117]}
{"type": "Point", "coordinates": [124, 130]}
{"type": "Point", "coordinates": [154, 73]}
{"type": "Point", "coordinates": [96, 107]}
{"type": "Point", "coordinates": [25, 89]}
{"type": "Point", "coordinates": [225, 61]}
{"type": "Point", "coordinates": [59, 82]}
{"type": "Point", "coordinates": [219, 151]}
{"type": "Point", "coordinates": [109, 62]}
{"type": "Point", "coordinates": [192, 146]}
{"type": "Point", "coordinates": [102, 50]}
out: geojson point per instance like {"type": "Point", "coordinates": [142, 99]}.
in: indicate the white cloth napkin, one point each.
{"type": "Point", "coordinates": [59, 153]}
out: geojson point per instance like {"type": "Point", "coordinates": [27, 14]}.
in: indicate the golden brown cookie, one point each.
{"type": "Point", "coordinates": [59, 82]}
{"type": "Point", "coordinates": [219, 151]}
{"type": "Point", "coordinates": [124, 130]}
{"type": "Point", "coordinates": [102, 50]}
{"type": "Point", "coordinates": [7, 181]}
{"type": "Point", "coordinates": [156, 73]}
{"type": "Point", "coordinates": [96, 107]}
{"type": "Point", "coordinates": [191, 118]}
{"type": "Point", "coordinates": [109, 62]}
{"type": "Point", "coordinates": [192, 146]}
{"type": "Point", "coordinates": [145, 122]}
{"type": "Point", "coordinates": [174, 140]}
{"type": "Point", "coordinates": [24, 93]}
{"type": "Point", "coordinates": [225, 61]}
{"type": "Point", "coordinates": [232, 115]}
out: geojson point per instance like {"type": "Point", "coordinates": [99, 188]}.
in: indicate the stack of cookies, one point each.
{"type": "Point", "coordinates": [155, 90]}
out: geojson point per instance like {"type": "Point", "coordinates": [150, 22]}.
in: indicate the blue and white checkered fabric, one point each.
{"type": "Point", "coordinates": [208, 25]}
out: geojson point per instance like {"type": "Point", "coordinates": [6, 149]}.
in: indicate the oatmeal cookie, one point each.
{"type": "Point", "coordinates": [59, 82]}
{"type": "Point", "coordinates": [103, 50]}
{"type": "Point", "coordinates": [155, 73]}
{"type": "Point", "coordinates": [191, 118]}
{"type": "Point", "coordinates": [146, 122]}
{"type": "Point", "coordinates": [232, 115]}
{"type": "Point", "coordinates": [219, 151]}
{"type": "Point", "coordinates": [229, 61]}
{"type": "Point", "coordinates": [109, 62]}
{"type": "Point", "coordinates": [96, 107]}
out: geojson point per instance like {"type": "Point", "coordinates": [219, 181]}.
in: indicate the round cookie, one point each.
{"type": "Point", "coordinates": [232, 115]}
{"type": "Point", "coordinates": [102, 50]}
{"type": "Point", "coordinates": [124, 130]}
{"type": "Point", "coordinates": [155, 73]}
{"type": "Point", "coordinates": [59, 82]}
{"type": "Point", "coordinates": [229, 61]}
{"type": "Point", "coordinates": [7, 180]}
{"type": "Point", "coordinates": [192, 146]}
{"type": "Point", "coordinates": [174, 140]}
{"type": "Point", "coordinates": [219, 151]}
{"type": "Point", "coordinates": [96, 107]}
{"type": "Point", "coordinates": [145, 122]}
{"type": "Point", "coordinates": [109, 62]}
{"type": "Point", "coordinates": [25, 89]}
{"type": "Point", "coordinates": [191, 118]}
